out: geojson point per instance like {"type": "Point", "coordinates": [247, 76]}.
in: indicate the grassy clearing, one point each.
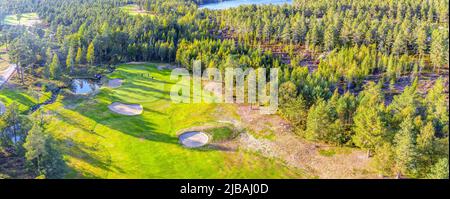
{"type": "Point", "coordinates": [134, 10]}
{"type": "Point", "coordinates": [220, 134]}
{"type": "Point", "coordinates": [26, 19]}
{"type": "Point", "coordinates": [21, 97]}
{"type": "Point", "coordinates": [335, 151]}
{"type": "Point", "coordinates": [97, 143]}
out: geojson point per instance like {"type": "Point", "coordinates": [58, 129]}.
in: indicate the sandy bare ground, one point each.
{"type": "Point", "coordinates": [194, 139]}
{"type": "Point", "coordinates": [126, 109]}
{"type": "Point", "coordinates": [137, 63]}
{"type": "Point", "coordinates": [115, 83]}
{"type": "Point", "coordinates": [166, 67]}
{"type": "Point", "coordinates": [297, 152]}
{"type": "Point", "coordinates": [32, 22]}
{"type": "Point", "coordinates": [2, 108]}
{"type": "Point", "coordinates": [6, 74]}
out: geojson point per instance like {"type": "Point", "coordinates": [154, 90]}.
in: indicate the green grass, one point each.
{"type": "Point", "coordinates": [133, 10]}
{"type": "Point", "coordinates": [327, 153]}
{"type": "Point", "coordinates": [220, 134]}
{"type": "Point", "coordinates": [97, 143]}
{"type": "Point", "coordinates": [334, 151]}
{"type": "Point", "coordinates": [21, 97]}
{"type": "Point", "coordinates": [27, 19]}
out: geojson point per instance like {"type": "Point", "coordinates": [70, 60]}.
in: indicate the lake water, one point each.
{"type": "Point", "coordinates": [84, 86]}
{"type": "Point", "coordinates": [235, 3]}
{"type": "Point", "coordinates": [16, 139]}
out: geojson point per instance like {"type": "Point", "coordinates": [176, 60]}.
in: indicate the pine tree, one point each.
{"type": "Point", "coordinates": [369, 125]}
{"type": "Point", "coordinates": [426, 144]}
{"type": "Point", "coordinates": [70, 62]}
{"type": "Point", "coordinates": [11, 118]}
{"type": "Point", "coordinates": [439, 170]}
{"type": "Point", "coordinates": [295, 110]}
{"type": "Point", "coordinates": [421, 42]}
{"type": "Point", "coordinates": [55, 67]}
{"type": "Point", "coordinates": [314, 34]}
{"type": "Point", "coordinates": [384, 159]}
{"type": "Point", "coordinates": [406, 104]}
{"type": "Point", "coordinates": [439, 49]}
{"type": "Point", "coordinates": [48, 56]}
{"type": "Point", "coordinates": [400, 45]}
{"type": "Point", "coordinates": [329, 38]}
{"type": "Point", "coordinates": [319, 122]}
{"type": "Point", "coordinates": [90, 55]}
{"type": "Point", "coordinates": [59, 33]}
{"type": "Point", "coordinates": [35, 147]}
{"type": "Point", "coordinates": [44, 159]}
{"type": "Point", "coordinates": [79, 56]}
{"type": "Point", "coordinates": [437, 108]}
{"type": "Point", "coordinates": [405, 148]}
{"type": "Point", "coordinates": [288, 92]}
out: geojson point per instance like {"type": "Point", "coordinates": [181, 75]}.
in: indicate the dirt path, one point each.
{"type": "Point", "coordinates": [6, 74]}
{"type": "Point", "coordinates": [271, 136]}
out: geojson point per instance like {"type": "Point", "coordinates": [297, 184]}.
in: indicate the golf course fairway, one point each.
{"type": "Point", "coordinates": [98, 143]}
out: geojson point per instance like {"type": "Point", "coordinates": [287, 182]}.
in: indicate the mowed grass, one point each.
{"type": "Point", "coordinates": [134, 10]}
{"type": "Point", "coordinates": [22, 97]}
{"type": "Point", "coordinates": [97, 143]}
{"type": "Point", "coordinates": [27, 19]}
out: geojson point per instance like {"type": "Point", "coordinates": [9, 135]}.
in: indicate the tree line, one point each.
{"type": "Point", "coordinates": [358, 39]}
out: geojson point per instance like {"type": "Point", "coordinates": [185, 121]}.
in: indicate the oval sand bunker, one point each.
{"type": "Point", "coordinates": [126, 109]}
{"type": "Point", "coordinates": [194, 139]}
{"type": "Point", "coordinates": [115, 83]}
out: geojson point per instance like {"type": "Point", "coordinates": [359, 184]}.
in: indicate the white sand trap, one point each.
{"type": "Point", "coordinates": [2, 108]}
{"type": "Point", "coordinates": [115, 83]}
{"type": "Point", "coordinates": [166, 67]}
{"type": "Point", "coordinates": [194, 139]}
{"type": "Point", "coordinates": [126, 109]}
{"type": "Point", "coordinates": [161, 67]}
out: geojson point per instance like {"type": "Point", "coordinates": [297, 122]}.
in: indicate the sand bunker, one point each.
{"type": "Point", "coordinates": [166, 67]}
{"type": "Point", "coordinates": [115, 83]}
{"type": "Point", "coordinates": [194, 139]}
{"type": "Point", "coordinates": [2, 108]}
{"type": "Point", "coordinates": [126, 109]}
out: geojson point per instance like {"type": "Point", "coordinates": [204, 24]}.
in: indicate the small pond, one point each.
{"type": "Point", "coordinates": [16, 139]}
{"type": "Point", "coordinates": [84, 86]}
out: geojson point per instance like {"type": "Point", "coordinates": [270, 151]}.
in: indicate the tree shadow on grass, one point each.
{"type": "Point", "coordinates": [74, 122]}
{"type": "Point", "coordinates": [136, 126]}
{"type": "Point", "coordinates": [95, 155]}
{"type": "Point", "coordinates": [161, 81]}
{"type": "Point", "coordinates": [156, 96]}
{"type": "Point", "coordinates": [99, 114]}
{"type": "Point", "coordinates": [140, 90]}
{"type": "Point", "coordinates": [18, 97]}
{"type": "Point", "coordinates": [214, 147]}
